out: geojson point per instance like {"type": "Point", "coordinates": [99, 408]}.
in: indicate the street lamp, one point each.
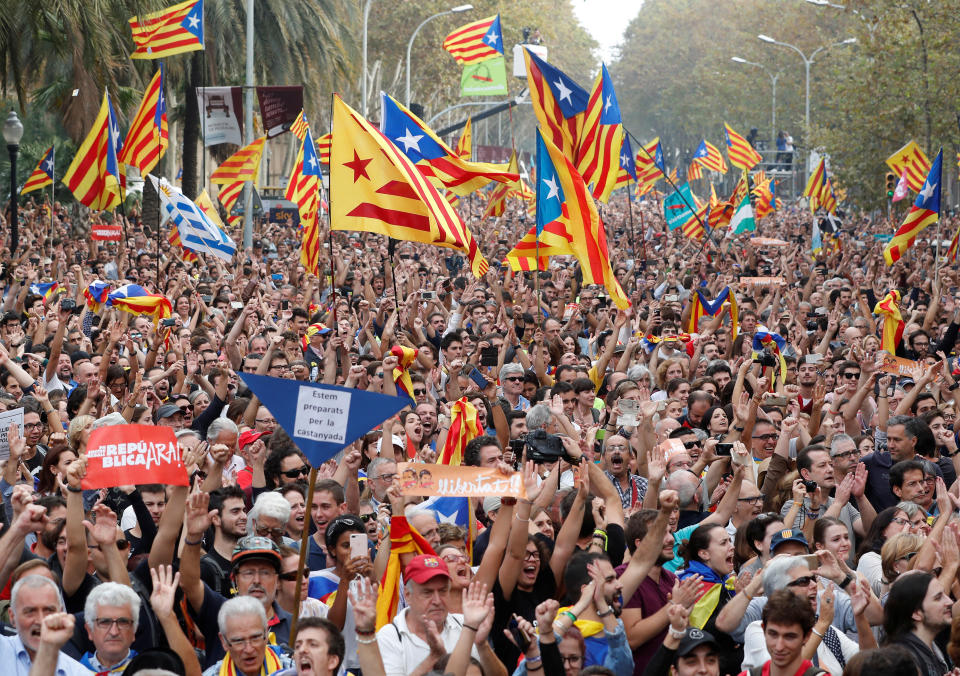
{"type": "Point", "coordinates": [807, 62]}
{"type": "Point", "coordinates": [773, 83]}
{"type": "Point", "coordinates": [452, 10]}
{"type": "Point", "coordinates": [363, 76]}
{"type": "Point", "coordinates": [12, 133]}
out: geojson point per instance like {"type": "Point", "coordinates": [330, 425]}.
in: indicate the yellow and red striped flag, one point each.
{"type": "Point", "coordinates": [464, 147]}
{"type": "Point", "coordinates": [42, 176]}
{"type": "Point", "coordinates": [243, 165]}
{"type": "Point", "coordinates": [170, 31]}
{"type": "Point", "coordinates": [598, 152]}
{"type": "Point", "coordinates": [693, 228]}
{"type": "Point", "coordinates": [464, 426]}
{"type": "Point", "coordinates": [559, 103]}
{"type": "Point", "coordinates": [401, 375]}
{"type": "Point", "coordinates": [910, 158]}
{"type": "Point", "coordinates": [228, 196]}
{"type": "Point", "coordinates": [889, 311]}
{"type": "Point", "coordinates": [476, 41]}
{"type": "Point", "coordinates": [94, 176]}
{"type": "Point", "coordinates": [147, 138]}
{"type": "Point", "coordinates": [954, 245]}
{"type": "Point", "coordinates": [694, 171]}
{"type": "Point", "coordinates": [303, 189]}
{"type": "Point", "coordinates": [299, 126]}
{"type": "Point", "coordinates": [742, 155]}
{"type": "Point", "coordinates": [925, 211]}
{"type": "Point", "coordinates": [650, 166]}
{"type": "Point", "coordinates": [381, 190]}
{"type": "Point", "coordinates": [323, 148]}
{"type": "Point", "coordinates": [709, 156]}
{"type": "Point", "coordinates": [628, 167]}
{"type": "Point", "coordinates": [404, 539]}
{"type": "Point", "coordinates": [814, 188]}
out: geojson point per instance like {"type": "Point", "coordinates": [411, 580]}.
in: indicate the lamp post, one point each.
{"type": "Point", "coordinates": [12, 133]}
{"type": "Point", "coordinates": [773, 85]}
{"type": "Point", "coordinates": [807, 62]}
{"type": "Point", "coordinates": [452, 10]}
{"type": "Point", "coordinates": [363, 75]}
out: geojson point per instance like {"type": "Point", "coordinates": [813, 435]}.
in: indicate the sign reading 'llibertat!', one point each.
{"type": "Point", "coordinates": [459, 481]}
{"type": "Point", "coordinates": [123, 455]}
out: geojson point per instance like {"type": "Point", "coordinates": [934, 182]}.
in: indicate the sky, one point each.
{"type": "Point", "coordinates": [606, 21]}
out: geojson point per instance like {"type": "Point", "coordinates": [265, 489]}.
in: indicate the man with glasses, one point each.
{"type": "Point", "coordinates": [763, 441]}
{"type": "Point", "coordinates": [749, 505]}
{"type": "Point", "coordinates": [844, 454]}
{"type": "Point", "coordinates": [511, 385]}
{"type": "Point", "coordinates": [256, 569]}
{"type": "Point", "coordinates": [380, 475]}
{"type": "Point", "coordinates": [111, 613]}
{"type": "Point", "coordinates": [244, 638]}
{"type": "Point", "coordinates": [264, 422]}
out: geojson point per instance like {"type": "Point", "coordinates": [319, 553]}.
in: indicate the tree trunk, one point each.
{"type": "Point", "coordinates": [191, 127]}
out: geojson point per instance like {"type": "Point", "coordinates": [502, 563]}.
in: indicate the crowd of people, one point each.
{"type": "Point", "coordinates": [698, 502]}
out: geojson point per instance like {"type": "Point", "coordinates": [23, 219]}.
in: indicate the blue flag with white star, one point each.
{"type": "Point", "coordinates": [550, 196]}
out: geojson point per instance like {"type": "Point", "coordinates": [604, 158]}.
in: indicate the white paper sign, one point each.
{"type": "Point", "coordinates": [219, 117]}
{"type": "Point", "coordinates": [8, 418]}
{"type": "Point", "coordinates": [322, 415]}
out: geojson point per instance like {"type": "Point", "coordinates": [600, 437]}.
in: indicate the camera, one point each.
{"type": "Point", "coordinates": [766, 358]}
{"type": "Point", "coordinates": [810, 486]}
{"type": "Point", "coordinates": [546, 448]}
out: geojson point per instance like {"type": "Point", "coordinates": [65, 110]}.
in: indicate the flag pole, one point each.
{"type": "Point", "coordinates": [159, 152]}
{"type": "Point", "coordinates": [301, 564]}
{"type": "Point", "coordinates": [936, 265]}
{"type": "Point", "coordinates": [633, 234]}
{"type": "Point", "coordinates": [53, 188]}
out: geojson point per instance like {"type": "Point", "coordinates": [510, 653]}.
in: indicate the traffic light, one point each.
{"type": "Point", "coordinates": [891, 183]}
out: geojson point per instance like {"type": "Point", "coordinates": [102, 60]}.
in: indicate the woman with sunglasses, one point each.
{"type": "Point", "coordinates": [287, 586]}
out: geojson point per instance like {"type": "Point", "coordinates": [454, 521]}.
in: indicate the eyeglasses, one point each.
{"type": "Point", "coordinates": [249, 640]}
{"type": "Point", "coordinates": [572, 659]}
{"type": "Point", "coordinates": [850, 374]}
{"type": "Point", "coordinates": [32, 426]}
{"type": "Point", "coordinates": [366, 518]}
{"type": "Point", "coordinates": [107, 622]}
{"type": "Point", "coordinates": [266, 421]}
{"type": "Point", "coordinates": [512, 379]}
{"type": "Point", "coordinates": [802, 581]}
{"type": "Point", "coordinates": [766, 437]}
{"type": "Point", "coordinates": [264, 532]}
{"type": "Point", "coordinates": [290, 576]}
{"type": "Point", "coordinates": [454, 558]}
{"type": "Point", "coordinates": [418, 393]}
{"type": "Point", "coordinates": [901, 521]}
{"type": "Point", "coordinates": [296, 472]}
{"type": "Point", "coordinates": [388, 478]}
{"type": "Point", "coordinates": [846, 454]}
{"type": "Point", "coordinates": [379, 374]}
{"type": "Point", "coordinates": [250, 573]}
{"type": "Point", "coordinates": [753, 501]}
{"type": "Point", "coordinates": [531, 556]}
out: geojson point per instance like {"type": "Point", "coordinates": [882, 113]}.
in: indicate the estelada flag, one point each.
{"type": "Point", "coordinates": [170, 31]}
{"type": "Point", "coordinates": [558, 102]}
{"type": "Point", "coordinates": [128, 455]}
{"type": "Point", "coordinates": [376, 188]}
{"type": "Point", "coordinates": [925, 211]}
{"type": "Point", "coordinates": [147, 138]}
{"type": "Point", "coordinates": [913, 160]}
{"type": "Point", "coordinates": [709, 156]}
{"type": "Point", "coordinates": [476, 41]}
{"type": "Point", "coordinates": [243, 165]}
{"type": "Point", "coordinates": [742, 155]}
{"type": "Point", "coordinates": [598, 151]}
{"type": "Point", "coordinates": [42, 176]}
{"type": "Point", "coordinates": [94, 176]}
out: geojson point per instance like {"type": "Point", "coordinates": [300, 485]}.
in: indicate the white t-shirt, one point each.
{"type": "Point", "coordinates": [403, 651]}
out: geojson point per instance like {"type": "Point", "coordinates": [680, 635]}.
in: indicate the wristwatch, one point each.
{"type": "Point", "coordinates": [846, 581]}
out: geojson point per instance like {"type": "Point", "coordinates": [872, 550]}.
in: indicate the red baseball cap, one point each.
{"type": "Point", "coordinates": [424, 568]}
{"type": "Point", "coordinates": [249, 436]}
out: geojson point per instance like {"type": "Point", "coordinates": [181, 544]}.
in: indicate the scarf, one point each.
{"type": "Point", "coordinates": [702, 307]}
{"type": "Point", "coordinates": [713, 589]}
{"type": "Point", "coordinates": [90, 661]}
{"type": "Point", "coordinates": [271, 663]}
{"type": "Point", "coordinates": [587, 627]}
{"type": "Point", "coordinates": [889, 310]}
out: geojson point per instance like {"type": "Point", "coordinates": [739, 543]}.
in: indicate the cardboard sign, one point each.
{"type": "Point", "coordinates": [458, 481]}
{"type": "Point", "coordinates": [899, 366]}
{"type": "Point", "coordinates": [762, 281]}
{"type": "Point", "coordinates": [122, 455]}
{"type": "Point", "coordinates": [106, 232]}
{"type": "Point", "coordinates": [8, 418]}
{"type": "Point", "coordinates": [767, 241]}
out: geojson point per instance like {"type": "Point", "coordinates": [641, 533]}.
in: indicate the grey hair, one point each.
{"type": "Point", "coordinates": [111, 594]}
{"type": "Point", "coordinates": [412, 511]}
{"type": "Point", "coordinates": [34, 582]}
{"type": "Point", "coordinates": [511, 369]}
{"type": "Point", "coordinates": [908, 508]}
{"type": "Point", "coordinates": [682, 481]}
{"type": "Point", "coordinates": [240, 605]}
{"type": "Point", "coordinates": [376, 464]}
{"type": "Point", "coordinates": [776, 573]}
{"type": "Point", "coordinates": [269, 504]}
{"type": "Point", "coordinates": [538, 417]}
{"type": "Point", "coordinates": [838, 439]}
{"type": "Point", "coordinates": [637, 372]}
{"type": "Point", "coordinates": [109, 420]}
{"type": "Point", "coordinates": [220, 425]}
{"type": "Point", "coordinates": [180, 434]}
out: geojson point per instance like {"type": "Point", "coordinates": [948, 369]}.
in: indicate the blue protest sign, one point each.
{"type": "Point", "coordinates": [322, 419]}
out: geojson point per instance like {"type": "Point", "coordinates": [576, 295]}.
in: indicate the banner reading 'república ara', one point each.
{"type": "Point", "coordinates": [124, 455]}
{"type": "Point", "coordinates": [322, 419]}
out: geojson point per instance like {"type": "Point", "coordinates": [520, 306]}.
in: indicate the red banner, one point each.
{"type": "Point", "coordinates": [122, 455]}
{"type": "Point", "coordinates": [106, 232]}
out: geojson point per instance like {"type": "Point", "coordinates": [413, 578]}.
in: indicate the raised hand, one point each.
{"type": "Point", "coordinates": [165, 583]}
{"type": "Point", "coordinates": [364, 602]}
{"type": "Point", "coordinates": [104, 527]}
{"type": "Point", "coordinates": [57, 629]}
{"type": "Point", "coordinates": [477, 604]}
